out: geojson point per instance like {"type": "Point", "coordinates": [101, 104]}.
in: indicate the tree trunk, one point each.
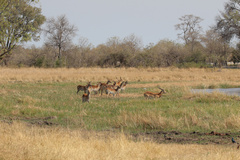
{"type": "Point", "coordinates": [59, 52]}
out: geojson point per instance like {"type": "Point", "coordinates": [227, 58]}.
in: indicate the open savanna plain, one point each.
{"type": "Point", "coordinates": [42, 116]}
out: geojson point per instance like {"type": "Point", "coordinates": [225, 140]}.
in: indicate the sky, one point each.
{"type": "Point", "coordinates": [149, 20]}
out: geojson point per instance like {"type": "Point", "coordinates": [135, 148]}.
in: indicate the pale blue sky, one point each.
{"type": "Point", "coordinates": [150, 20]}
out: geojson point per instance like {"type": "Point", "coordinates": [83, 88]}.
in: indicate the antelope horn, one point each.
{"type": "Point", "coordinates": [161, 88]}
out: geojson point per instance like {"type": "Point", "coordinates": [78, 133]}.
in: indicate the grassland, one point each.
{"type": "Point", "coordinates": [42, 104]}
{"type": "Point", "coordinates": [21, 142]}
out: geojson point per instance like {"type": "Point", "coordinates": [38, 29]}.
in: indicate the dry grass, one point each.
{"type": "Point", "coordinates": [148, 118]}
{"type": "Point", "coordinates": [172, 76]}
{"type": "Point", "coordinates": [22, 142]}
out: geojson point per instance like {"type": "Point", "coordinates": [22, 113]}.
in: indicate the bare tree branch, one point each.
{"type": "Point", "coordinates": [59, 33]}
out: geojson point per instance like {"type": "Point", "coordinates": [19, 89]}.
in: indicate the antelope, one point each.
{"type": "Point", "coordinates": [83, 88]}
{"type": "Point", "coordinates": [148, 94]}
{"type": "Point", "coordinates": [86, 96]}
{"type": "Point", "coordinates": [103, 86]}
{"type": "Point", "coordinates": [112, 91]}
{"type": "Point", "coordinates": [112, 86]}
{"type": "Point", "coordinates": [124, 86]}
{"type": "Point", "coordinates": [118, 83]}
{"type": "Point", "coordinates": [95, 88]}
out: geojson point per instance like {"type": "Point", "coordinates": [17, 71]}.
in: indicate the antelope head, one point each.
{"type": "Point", "coordinates": [162, 90]}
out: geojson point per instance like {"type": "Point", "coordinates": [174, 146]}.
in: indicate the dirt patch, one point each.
{"type": "Point", "coordinates": [187, 138]}
{"type": "Point", "coordinates": [42, 121]}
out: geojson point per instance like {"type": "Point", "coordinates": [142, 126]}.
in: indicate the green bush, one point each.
{"type": "Point", "coordinates": [39, 62]}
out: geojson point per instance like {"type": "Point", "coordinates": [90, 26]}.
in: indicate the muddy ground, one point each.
{"type": "Point", "coordinates": [157, 136]}
{"type": "Point", "coordinates": [189, 138]}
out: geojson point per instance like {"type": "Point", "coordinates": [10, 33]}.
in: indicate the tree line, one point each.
{"type": "Point", "coordinates": [21, 21]}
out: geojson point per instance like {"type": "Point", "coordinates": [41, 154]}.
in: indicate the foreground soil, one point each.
{"type": "Point", "coordinates": [161, 137]}
{"type": "Point", "coordinates": [188, 138]}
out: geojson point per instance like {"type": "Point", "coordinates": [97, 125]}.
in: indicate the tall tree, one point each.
{"type": "Point", "coordinates": [190, 29]}
{"type": "Point", "coordinates": [235, 57]}
{"type": "Point", "coordinates": [20, 21]}
{"type": "Point", "coordinates": [228, 22]}
{"type": "Point", "coordinates": [4, 5]}
{"type": "Point", "coordinates": [59, 33]}
{"type": "Point", "coordinates": [216, 47]}
{"type": "Point", "coordinates": [132, 44]}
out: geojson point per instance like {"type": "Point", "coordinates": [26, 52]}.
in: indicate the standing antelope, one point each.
{"type": "Point", "coordinates": [103, 86]}
{"type": "Point", "coordinates": [118, 83]}
{"type": "Point", "coordinates": [148, 94]}
{"type": "Point", "coordinates": [95, 88]}
{"type": "Point", "coordinates": [83, 88]}
{"type": "Point", "coordinates": [86, 96]}
{"type": "Point", "coordinates": [113, 86]}
{"type": "Point", "coordinates": [113, 91]}
{"type": "Point", "coordinates": [124, 86]}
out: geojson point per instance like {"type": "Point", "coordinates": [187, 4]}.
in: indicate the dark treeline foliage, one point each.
{"type": "Point", "coordinates": [129, 53]}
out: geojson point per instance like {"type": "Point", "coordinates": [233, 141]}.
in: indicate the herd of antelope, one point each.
{"type": "Point", "coordinates": [113, 89]}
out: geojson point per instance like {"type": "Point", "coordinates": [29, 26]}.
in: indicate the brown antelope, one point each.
{"type": "Point", "coordinates": [83, 88]}
{"type": "Point", "coordinates": [118, 83]}
{"type": "Point", "coordinates": [94, 88]}
{"type": "Point", "coordinates": [148, 94]}
{"type": "Point", "coordinates": [124, 85]}
{"type": "Point", "coordinates": [113, 91]}
{"type": "Point", "coordinates": [86, 96]}
{"type": "Point", "coordinates": [103, 86]}
{"type": "Point", "coordinates": [112, 86]}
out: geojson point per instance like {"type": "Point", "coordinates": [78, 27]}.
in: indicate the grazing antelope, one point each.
{"type": "Point", "coordinates": [86, 96]}
{"type": "Point", "coordinates": [113, 91]}
{"type": "Point", "coordinates": [94, 88]}
{"type": "Point", "coordinates": [83, 88]}
{"type": "Point", "coordinates": [103, 86]}
{"type": "Point", "coordinates": [148, 94]}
